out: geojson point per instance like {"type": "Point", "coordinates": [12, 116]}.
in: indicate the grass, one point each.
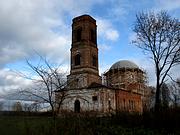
{"type": "Point", "coordinates": [24, 125]}
{"type": "Point", "coordinates": [122, 124]}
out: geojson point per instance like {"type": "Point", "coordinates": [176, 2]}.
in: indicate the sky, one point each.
{"type": "Point", "coordinates": [31, 27]}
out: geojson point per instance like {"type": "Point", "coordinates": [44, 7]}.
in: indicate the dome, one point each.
{"type": "Point", "coordinates": [124, 64]}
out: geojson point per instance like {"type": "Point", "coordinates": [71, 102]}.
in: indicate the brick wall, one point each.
{"type": "Point", "coordinates": [128, 101]}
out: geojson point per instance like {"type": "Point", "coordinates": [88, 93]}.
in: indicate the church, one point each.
{"type": "Point", "coordinates": [121, 88]}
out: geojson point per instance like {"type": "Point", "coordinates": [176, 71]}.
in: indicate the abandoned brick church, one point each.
{"type": "Point", "coordinates": [123, 87]}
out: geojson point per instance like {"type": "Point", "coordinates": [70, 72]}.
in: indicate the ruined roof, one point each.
{"type": "Point", "coordinates": [124, 64]}
{"type": "Point", "coordinates": [83, 18]}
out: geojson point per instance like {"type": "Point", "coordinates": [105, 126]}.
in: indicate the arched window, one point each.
{"type": "Point", "coordinates": [79, 34]}
{"type": "Point", "coordinates": [77, 106]}
{"type": "Point", "coordinates": [77, 59]}
{"type": "Point", "coordinates": [93, 36]}
{"type": "Point", "coordinates": [94, 61]}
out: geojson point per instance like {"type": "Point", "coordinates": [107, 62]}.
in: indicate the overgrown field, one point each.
{"type": "Point", "coordinates": [121, 124]}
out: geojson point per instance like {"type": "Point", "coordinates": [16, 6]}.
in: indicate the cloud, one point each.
{"type": "Point", "coordinates": [43, 26]}
{"type": "Point", "coordinates": [174, 72]}
{"type": "Point", "coordinates": [30, 27]}
{"type": "Point", "coordinates": [106, 30]}
{"type": "Point", "coordinates": [119, 11]}
{"type": "Point", "coordinates": [104, 67]}
{"type": "Point", "coordinates": [167, 5]}
{"type": "Point", "coordinates": [9, 80]}
{"type": "Point", "coordinates": [26, 27]}
{"type": "Point", "coordinates": [112, 34]}
{"type": "Point", "coordinates": [104, 47]}
{"type": "Point", "coordinates": [39, 26]}
{"type": "Point", "coordinates": [149, 69]}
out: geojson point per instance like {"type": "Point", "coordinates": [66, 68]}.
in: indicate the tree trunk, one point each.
{"type": "Point", "coordinates": [157, 100]}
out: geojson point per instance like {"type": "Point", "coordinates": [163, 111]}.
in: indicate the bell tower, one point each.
{"type": "Point", "coordinates": [84, 53]}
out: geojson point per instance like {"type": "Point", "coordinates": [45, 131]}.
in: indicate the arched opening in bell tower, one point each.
{"type": "Point", "coordinates": [77, 60]}
{"type": "Point", "coordinates": [93, 35]}
{"type": "Point", "coordinates": [94, 61]}
{"type": "Point", "coordinates": [78, 34]}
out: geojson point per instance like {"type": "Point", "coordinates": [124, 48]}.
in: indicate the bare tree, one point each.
{"type": "Point", "coordinates": [27, 107]}
{"type": "Point", "coordinates": [178, 82]}
{"type": "Point", "coordinates": [158, 35]}
{"type": "Point", "coordinates": [47, 80]}
{"type": "Point", "coordinates": [165, 95]}
{"type": "Point", "coordinates": [17, 106]}
{"type": "Point", "coordinates": [175, 92]}
{"type": "Point", "coordinates": [148, 100]}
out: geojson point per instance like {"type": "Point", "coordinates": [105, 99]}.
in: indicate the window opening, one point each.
{"type": "Point", "coordinates": [124, 102]}
{"type": "Point", "coordinates": [93, 36]}
{"type": "Point", "coordinates": [79, 34]}
{"type": "Point", "coordinates": [77, 59]}
{"type": "Point", "coordinates": [94, 61]}
{"type": "Point", "coordinates": [94, 98]}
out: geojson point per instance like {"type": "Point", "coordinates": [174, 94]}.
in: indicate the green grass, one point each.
{"type": "Point", "coordinates": [74, 125]}
{"type": "Point", "coordinates": [24, 125]}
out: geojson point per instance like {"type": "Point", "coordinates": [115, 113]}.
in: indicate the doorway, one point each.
{"type": "Point", "coordinates": [77, 106]}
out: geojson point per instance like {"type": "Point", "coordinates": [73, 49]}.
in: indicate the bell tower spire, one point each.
{"type": "Point", "coordinates": [84, 53]}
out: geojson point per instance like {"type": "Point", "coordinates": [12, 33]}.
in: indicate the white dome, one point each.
{"type": "Point", "coordinates": [124, 64]}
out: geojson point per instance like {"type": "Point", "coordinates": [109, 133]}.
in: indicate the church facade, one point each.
{"type": "Point", "coordinates": [123, 84]}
